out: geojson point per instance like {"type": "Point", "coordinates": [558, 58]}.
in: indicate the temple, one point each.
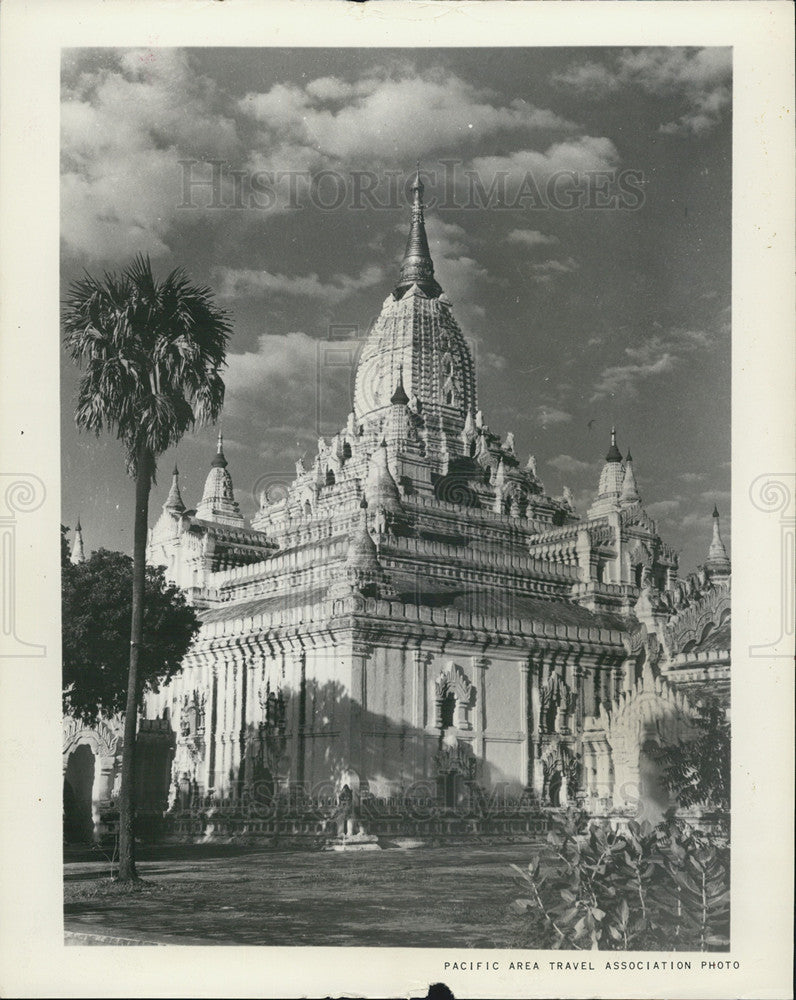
{"type": "Point", "coordinates": [417, 615]}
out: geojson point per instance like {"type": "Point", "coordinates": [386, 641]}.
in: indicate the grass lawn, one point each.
{"type": "Point", "coordinates": [427, 897]}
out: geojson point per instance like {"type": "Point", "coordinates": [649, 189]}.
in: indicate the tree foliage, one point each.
{"type": "Point", "coordinates": [96, 598]}
{"type": "Point", "coordinates": [151, 354]}
{"type": "Point", "coordinates": [634, 888]}
{"type": "Point", "coordinates": [698, 772]}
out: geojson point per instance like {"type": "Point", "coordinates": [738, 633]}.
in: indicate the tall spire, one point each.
{"type": "Point", "coordinates": [718, 562]}
{"type": "Point", "coordinates": [417, 266]}
{"type": "Point", "coordinates": [174, 499]}
{"type": "Point", "coordinates": [78, 555]}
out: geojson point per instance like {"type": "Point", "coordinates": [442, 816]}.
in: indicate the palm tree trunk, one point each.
{"type": "Point", "coordinates": [143, 482]}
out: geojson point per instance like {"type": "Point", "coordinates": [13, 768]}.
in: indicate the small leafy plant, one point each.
{"type": "Point", "coordinates": [635, 888]}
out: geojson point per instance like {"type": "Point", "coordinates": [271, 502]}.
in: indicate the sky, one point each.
{"type": "Point", "coordinates": [579, 217]}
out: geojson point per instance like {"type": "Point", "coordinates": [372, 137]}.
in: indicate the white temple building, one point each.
{"type": "Point", "coordinates": [417, 612]}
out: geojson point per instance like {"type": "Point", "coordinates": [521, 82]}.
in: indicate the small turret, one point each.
{"type": "Point", "coordinates": [718, 563]}
{"type": "Point", "coordinates": [361, 571]}
{"type": "Point", "coordinates": [362, 553]}
{"type": "Point", "coordinates": [218, 501]}
{"type": "Point", "coordinates": [380, 488]}
{"type": "Point", "coordinates": [609, 491]}
{"type": "Point", "coordinates": [399, 397]}
{"type": "Point", "coordinates": [174, 500]}
{"type": "Point", "coordinates": [630, 494]}
{"type": "Point", "coordinates": [78, 554]}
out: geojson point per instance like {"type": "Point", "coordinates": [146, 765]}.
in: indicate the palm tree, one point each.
{"type": "Point", "coordinates": [151, 354]}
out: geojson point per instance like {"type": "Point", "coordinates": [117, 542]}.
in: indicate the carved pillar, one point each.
{"type": "Point", "coordinates": [103, 779]}
{"type": "Point", "coordinates": [212, 727]}
{"type": "Point", "coordinates": [536, 771]}
{"type": "Point", "coordinates": [361, 652]}
{"type": "Point", "coordinates": [480, 665]}
{"type": "Point", "coordinates": [579, 671]}
{"type": "Point", "coordinates": [617, 573]}
{"type": "Point", "coordinates": [222, 733]}
{"type": "Point", "coordinates": [298, 713]}
{"type": "Point", "coordinates": [418, 688]}
{"type": "Point", "coordinates": [587, 570]}
{"type": "Point", "coordinates": [228, 729]}
{"type": "Point", "coordinates": [237, 674]}
{"type": "Point", "coordinates": [525, 724]}
{"type": "Point", "coordinates": [617, 680]}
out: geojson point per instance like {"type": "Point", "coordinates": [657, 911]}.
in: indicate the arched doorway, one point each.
{"type": "Point", "coordinates": [78, 794]}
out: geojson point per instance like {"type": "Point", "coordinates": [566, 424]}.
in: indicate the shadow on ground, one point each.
{"type": "Point", "coordinates": [430, 897]}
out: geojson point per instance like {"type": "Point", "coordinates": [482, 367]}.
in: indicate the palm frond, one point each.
{"type": "Point", "coordinates": [151, 355]}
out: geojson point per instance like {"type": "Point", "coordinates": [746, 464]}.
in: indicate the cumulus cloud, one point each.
{"type": "Point", "coordinates": [551, 415]}
{"type": "Point", "coordinates": [700, 79]}
{"type": "Point", "coordinates": [663, 508]}
{"type": "Point", "coordinates": [547, 271]}
{"type": "Point", "coordinates": [237, 282]}
{"type": "Point", "coordinates": [285, 388]}
{"type": "Point", "coordinates": [715, 496]}
{"type": "Point", "coordinates": [278, 358]}
{"type": "Point", "coordinates": [389, 114]}
{"type": "Point", "coordinates": [445, 239]}
{"type": "Point", "coordinates": [568, 465]}
{"type": "Point", "coordinates": [125, 124]}
{"type": "Point", "coordinates": [461, 275]}
{"type": "Point", "coordinates": [530, 238]}
{"type": "Point", "coordinates": [527, 170]}
{"type": "Point", "coordinates": [129, 117]}
{"type": "Point", "coordinates": [658, 355]}
{"type": "Point", "coordinates": [493, 360]}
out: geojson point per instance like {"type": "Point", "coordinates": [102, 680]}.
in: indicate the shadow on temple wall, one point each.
{"type": "Point", "coordinates": [391, 766]}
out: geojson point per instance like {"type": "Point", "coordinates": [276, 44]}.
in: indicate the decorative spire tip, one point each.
{"type": "Point", "coordinates": [614, 454]}
{"type": "Point", "coordinates": [219, 461]}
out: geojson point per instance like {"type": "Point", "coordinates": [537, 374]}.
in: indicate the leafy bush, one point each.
{"type": "Point", "coordinates": [665, 888]}
{"type": "Point", "coordinates": [96, 599]}
{"type": "Point", "coordinates": [698, 771]}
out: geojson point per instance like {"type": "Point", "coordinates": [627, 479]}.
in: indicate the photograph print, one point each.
{"type": "Point", "coordinates": [395, 415]}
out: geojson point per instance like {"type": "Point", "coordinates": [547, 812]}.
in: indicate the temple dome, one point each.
{"type": "Point", "coordinates": [417, 343]}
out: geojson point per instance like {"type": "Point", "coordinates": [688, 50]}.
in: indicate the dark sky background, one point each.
{"type": "Point", "coordinates": [577, 318]}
